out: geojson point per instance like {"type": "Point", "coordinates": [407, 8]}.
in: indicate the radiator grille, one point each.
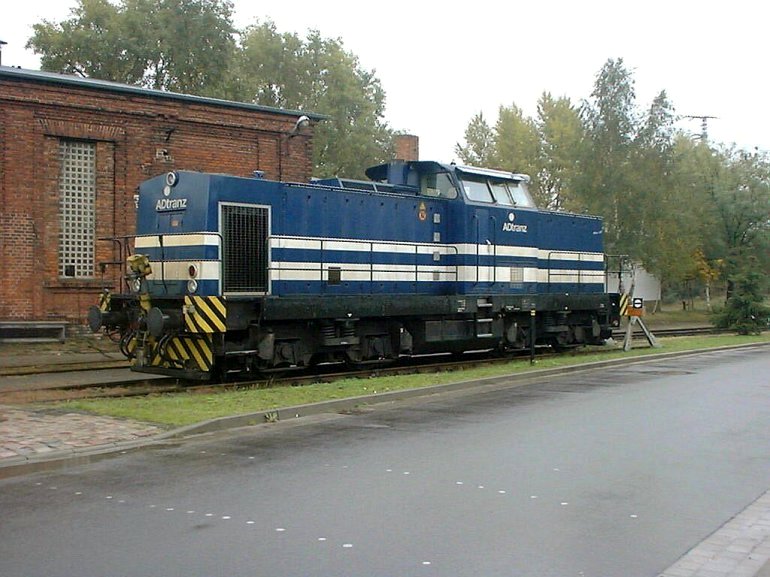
{"type": "Point", "coordinates": [245, 231]}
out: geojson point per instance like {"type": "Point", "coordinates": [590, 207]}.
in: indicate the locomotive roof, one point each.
{"type": "Point", "coordinates": [492, 173]}
{"type": "Point", "coordinates": [382, 172]}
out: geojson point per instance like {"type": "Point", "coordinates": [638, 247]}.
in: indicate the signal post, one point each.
{"type": "Point", "coordinates": [633, 308]}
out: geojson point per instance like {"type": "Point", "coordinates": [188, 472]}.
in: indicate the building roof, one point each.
{"type": "Point", "coordinates": [11, 73]}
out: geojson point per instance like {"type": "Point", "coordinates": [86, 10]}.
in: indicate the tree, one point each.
{"type": "Point", "coordinates": [725, 193]}
{"type": "Point", "coordinates": [89, 44]}
{"type": "Point", "coordinates": [708, 271]}
{"type": "Point", "coordinates": [606, 183]}
{"type": "Point", "coordinates": [479, 149]}
{"type": "Point", "coordinates": [513, 144]}
{"type": "Point", "coordinates": [189, 46]}
{"type": "Point", "coordinates": [517, 145]}
{"type": "Point", "coordinates": [177, 45]}
{"type": "Point", "coordinates": [281, 69]}
{"type": "Point", "coordinates": [665, 239]}
{"type": "Point", "coordinates": [684, 209]}
{"type": "Point", "coordinates": [744, 311]}
{"type": "Point", "coordinates": [739, 198]}
{"type": "Point", "coordinates": [561, 141]}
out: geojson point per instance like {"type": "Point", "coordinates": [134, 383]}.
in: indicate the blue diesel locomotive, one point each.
{"type": "Point", "coordinates": [233, 274]}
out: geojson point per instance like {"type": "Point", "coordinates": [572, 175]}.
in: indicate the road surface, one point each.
{"type": "Point", "coordinates": [609, 473]}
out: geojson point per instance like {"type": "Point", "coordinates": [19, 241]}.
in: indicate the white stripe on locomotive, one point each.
{"type": "Point", "coordinates": [310, 270]}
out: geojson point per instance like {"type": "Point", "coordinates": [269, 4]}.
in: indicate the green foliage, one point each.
{"type": "Point", "coordinates": [479, 146]}
{"type": "Point", "coordinates": [609, 183]}
{"type": "Point", "coordinates": [189, 46]}
{"type": "Point", "coordinates": [177, 45]}
{"type": "Point", "coordinates": [318, 74]}
{"type": "Point", "coordinates": [517, 144]}
{"type": "Point", "coordinates": [744, 311]}
{"type": "Point", "coordinates": [562, 138]}
{"type": "Point", "coordinates": [88, 44]}
{"type": "Point", "coordinates": [740, 203]}
{"type": "Point", "coordinates": [728, 193]}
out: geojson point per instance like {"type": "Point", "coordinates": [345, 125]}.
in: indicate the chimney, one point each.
{"type": "Point", "coordinates": [1, 51]}
{"type": "Point", "coordinates": [407, 147]}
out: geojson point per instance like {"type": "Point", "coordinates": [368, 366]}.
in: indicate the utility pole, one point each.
{"type": "Point", "coordinates": [703, 125]}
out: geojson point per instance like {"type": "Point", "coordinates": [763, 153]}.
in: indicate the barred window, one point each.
{"type": "Point", "coordinates": [517, 277]}
{"type": "Point", "coordinates": [77, 208]}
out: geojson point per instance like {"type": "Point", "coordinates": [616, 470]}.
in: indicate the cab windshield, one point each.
{"type": "Point", "coordinates": [438, 184]}
{"type": "Point", "coordinates": [497, 191]}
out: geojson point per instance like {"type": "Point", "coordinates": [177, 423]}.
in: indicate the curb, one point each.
{"type": "Point", "coordinates": [57, 460]}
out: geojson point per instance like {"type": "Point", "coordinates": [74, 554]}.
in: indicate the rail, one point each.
{"type": "Point", "coordinates": [124, 251]}
{"type": "Point", "coordinates": [568, 276]}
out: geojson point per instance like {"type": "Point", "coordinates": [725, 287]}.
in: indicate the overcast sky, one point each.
{"type": "Point", "coordinates": [441, 63]}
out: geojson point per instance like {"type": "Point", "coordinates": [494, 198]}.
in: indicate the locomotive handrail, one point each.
{"type": "Point", "coordinates": [566, 275]}
{"type": "Point", "coordinates": [322, 265]}
{"type": "Point", "coordinates": [121, 262]}
{"type": "Point", "coordinates": [488, 242]}
{"type": "Point", "coordinates": [125, 247]}
{"type": "Point", "coordinates": [220, 250]}
{"type": "Point", "coordinates": [494, 249]}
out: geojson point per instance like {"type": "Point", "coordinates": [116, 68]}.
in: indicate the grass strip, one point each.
{"type": "Point", "coordinates": [180, 409]}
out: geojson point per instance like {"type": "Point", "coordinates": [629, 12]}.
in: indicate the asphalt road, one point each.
{"type": "Point", "coordinates": [612, 473]}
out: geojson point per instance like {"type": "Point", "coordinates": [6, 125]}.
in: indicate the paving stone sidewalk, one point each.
{"type": "Point", "coordinates": [740, 548]}
{"type": "Point", "coordinates": [27, 433]}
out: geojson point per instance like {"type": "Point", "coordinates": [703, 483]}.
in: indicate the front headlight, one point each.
{"type": "Point", "coordinates": [136, 285]}
{"type": "Point", "coordinates": [192, 285]}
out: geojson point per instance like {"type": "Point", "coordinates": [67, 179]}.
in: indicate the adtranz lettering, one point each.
{"type": "Point", "coordinates": [171, 204]}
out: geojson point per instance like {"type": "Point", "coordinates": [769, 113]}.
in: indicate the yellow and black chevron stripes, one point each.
{"type": "Point", "coordinates": [181, 352]}
{"type": "Point", "coordinates": [131, 346]}
{"type": "Point", "coordinates": [205, 314]}
{"type": "Point", "coordinates": [624, 305]}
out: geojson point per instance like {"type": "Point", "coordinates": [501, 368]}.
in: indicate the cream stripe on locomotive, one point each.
{"type": "Point", "coordinates": [205, 314]}
{"type": "Point", "coordinates": [180, 270]}
{"type": "Point", "coordinates": [313, 271]}
{"type": "Point", "coordinates": [515, 274]}
{"type": "Point", "coordinates": [176, 240]}
{"type": "Point", "coordinates": [358, 245]}
{"type": "Point", "coordinates": [570, 255]}
{"type": "Point", "coordinates": [353, 245]}
{"type": "Point", "coordinates": [308, 272]}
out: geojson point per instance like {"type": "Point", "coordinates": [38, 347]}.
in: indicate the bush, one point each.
{"type": "Point", "coordinates": [745, 312]}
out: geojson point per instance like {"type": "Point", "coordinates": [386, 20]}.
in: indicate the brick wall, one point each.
{"type": "Point", "coordinates": [137, 136]}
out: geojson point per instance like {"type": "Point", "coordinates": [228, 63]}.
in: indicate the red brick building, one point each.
{"type": "Point", "coordinates": [72, 154]}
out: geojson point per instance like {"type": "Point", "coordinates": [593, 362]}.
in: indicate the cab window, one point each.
{"type": "Point", "coordinates": [477, 190]}
{"type": "Point", "coordinates": [520, 194]}
{"type": "Point", "coordinates": [500, 193]}
{"type": "Point", "coordinates": [437, 185]}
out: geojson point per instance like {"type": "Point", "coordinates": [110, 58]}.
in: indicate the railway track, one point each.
{"type": "Point", "coordinates": [37, 389]}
